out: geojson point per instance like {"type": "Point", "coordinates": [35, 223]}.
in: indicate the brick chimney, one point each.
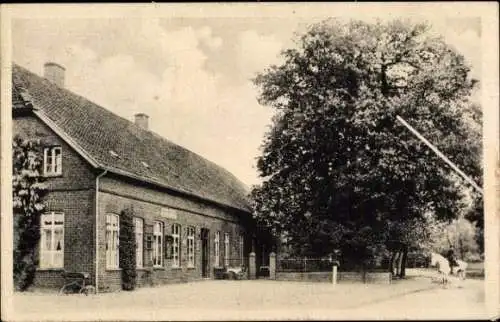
{"type": "Point", "coordinates": [54, 73]}
{"type": "Point", "coordinates": [141, 120]}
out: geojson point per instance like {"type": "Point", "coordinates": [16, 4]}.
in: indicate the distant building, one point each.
{"type": "Point", "coordinates": [191, 216]}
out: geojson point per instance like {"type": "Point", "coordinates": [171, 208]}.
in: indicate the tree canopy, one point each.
{"type": "Point", "coordinates": [460, 234]}
{"type": "Point", "coordinates": [338, 170]}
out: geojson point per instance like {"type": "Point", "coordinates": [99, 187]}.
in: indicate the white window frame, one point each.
{"type": "Point", "coordinates": [139, 241]}
{"type": "Point", "coordinates": [176, 245]}
{"type": "Point", "coordinates": [51, 258]}
{"type": "Point", "coordinates": [52, 162]}
{"type": "Point", "coordinates": [157, 253]}
{"type": "Point", "coordinates": [190, 246]}
{"type": "Point", "coordinates": [112, 241]}
{"type": "Point", "coordinates": [241, 249]}
{"type": "Point", "coordinates": [217, 249]}
{"type": "Point", "coordinates": [226, 249]}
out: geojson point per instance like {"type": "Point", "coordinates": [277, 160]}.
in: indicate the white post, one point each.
{"type": "Point", "coordinates": [334, 274]}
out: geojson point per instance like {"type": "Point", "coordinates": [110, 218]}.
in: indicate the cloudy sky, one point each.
{"type": "Point", "coordinates": [190, 74]}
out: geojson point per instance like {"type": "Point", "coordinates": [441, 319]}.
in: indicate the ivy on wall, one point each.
{"type": "Point", "coordinates": [127, 249]}
{"type": "Point", "coordinates": [28, 190]}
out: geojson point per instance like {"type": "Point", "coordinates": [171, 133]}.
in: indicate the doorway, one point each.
{"type": "Point", "coordinates": [205, 252]}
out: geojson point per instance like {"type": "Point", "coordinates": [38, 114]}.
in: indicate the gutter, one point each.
{"type": "Point", "coordinates": [174, 189]}
{"type": "Point", "coordinates": [96, 164]}
{"type": "Point", "coordinates": [97, 229]}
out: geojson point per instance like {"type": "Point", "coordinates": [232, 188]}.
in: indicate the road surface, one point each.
{"type": "Point", "coordinates": [467, 302]}
{"type": "Point", "coordinates": [261, 300]}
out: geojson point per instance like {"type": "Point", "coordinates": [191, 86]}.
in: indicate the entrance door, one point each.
{"type": "Point", "coordinates": [205, 252]}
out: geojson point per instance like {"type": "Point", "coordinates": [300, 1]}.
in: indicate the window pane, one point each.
{"type": "Point", "coordinates": [108, 238]}
{"type": "Point", "coordinates": [190, 246]}
{"type": "Point", "coordinates": [48, 162]}
{"type": "Point", "coordinates": [112, 241]}
{"type": "Point", "coordinates": [226, 249]}
{"type": "Point", "coordinates": [58, 240]}
{"type": "Point", "coordinates": [45, 160]}
{"type": "Point", "coordinates": [138, 241]}
{"type": "Point", "coordinates": [58, 259]}
{"type": "Point", "coordinates": [158, 251]}
{"type": "Point", "coordinates": [47, 239]}
{"type": "Point", "coordinates": [139, 250]}
{"type": "Point", "coordinates": [58, 160]}
{"type": "Point", "coordinates": [217, 249]}
{"type": "Point", "coordinates": [157, 243]}
{"type": "Point", "coordinates": [58, 219]}
{"type": "Point", "coordinates": [46, 219]}
{"type": "Point", "coordinates": [52, 240]}
{"type": "Point", "coordinates": [138, 225]}
{"type": "Point", "coordinates": [116, 240]}
{"type": "Point", "coordinates": [241, 250]}
{"type": "Point", "coordinates": [176, 228]}
{"type": "Point", "coordinates": [115, 248]}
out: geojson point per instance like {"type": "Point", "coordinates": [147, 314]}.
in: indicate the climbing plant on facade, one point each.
{"type": "Point", "coordinates": [127, 249]}
{"type": "Point", "coordinates": [28, 190]}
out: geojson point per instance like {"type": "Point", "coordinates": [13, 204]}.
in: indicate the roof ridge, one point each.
{"type": "Point", "coordinates": [180, 167]}
{"type": "Point", "coordinates": [97, 105]}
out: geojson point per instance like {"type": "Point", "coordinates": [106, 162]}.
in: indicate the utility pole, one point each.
{"type": "Point", "coordinates": [439, 154]}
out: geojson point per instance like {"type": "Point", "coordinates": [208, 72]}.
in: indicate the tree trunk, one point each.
{"type": "Point", "coordinates": [403, 263]}
{"type": "Point", "coordinates": [461, 247]}
{"type": "Point", "coordinates": [391, 262]}
{"type": "Point", "coordinates": [397, 264]}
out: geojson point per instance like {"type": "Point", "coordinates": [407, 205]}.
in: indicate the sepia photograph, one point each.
{"type": "Point", "coordinates": [250, 161]}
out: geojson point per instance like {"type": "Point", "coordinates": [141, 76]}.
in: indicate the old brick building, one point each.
{"type": "Point", "coordinates": [190, 215]}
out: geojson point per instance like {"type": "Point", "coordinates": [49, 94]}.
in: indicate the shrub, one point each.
{"type": "Point", "coordinates": [127, 249]}
{"type": "Point", "coordinates": [27, 193]}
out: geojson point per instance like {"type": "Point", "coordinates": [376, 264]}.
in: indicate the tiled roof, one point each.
{"type": "Point", "coordinates": [118, 144]}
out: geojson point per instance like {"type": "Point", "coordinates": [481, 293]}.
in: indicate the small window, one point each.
{"type": "Point", "coordinates": [217, 249]}
{"type": "Point", "coordinates": [226, 249]}
{"type": "Point", "coordinates": [158, 244]}
{"type": "Point", "coordinates": [241, 249]}
{"type": "Point", "coordinates": [176, 243]}
{"type": "Point", "coordinates": [139, 239]}
{"type": "Point", "coordinates": [52, 240]}
{"type": "Point", "coordinates": [52, 161]}
{"type": "Point", "coordinates": [112, 241]}
{"type": "Point", "coordinates": [190, 246]}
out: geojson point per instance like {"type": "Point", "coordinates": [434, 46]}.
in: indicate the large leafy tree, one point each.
{"type": "Point", "coordinates": [338, 170]}
{"type": "Point", "coordinates": [460, 235]}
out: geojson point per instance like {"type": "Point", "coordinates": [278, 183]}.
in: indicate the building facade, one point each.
{"type": "Point", "coordinates": [190, 215]}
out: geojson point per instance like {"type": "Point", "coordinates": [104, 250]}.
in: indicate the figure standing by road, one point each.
{"type": "Point", "coordinates": [452, 260]}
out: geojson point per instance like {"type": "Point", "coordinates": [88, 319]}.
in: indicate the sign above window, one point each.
{"type": "Point", "coordinates": [169, 213]}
